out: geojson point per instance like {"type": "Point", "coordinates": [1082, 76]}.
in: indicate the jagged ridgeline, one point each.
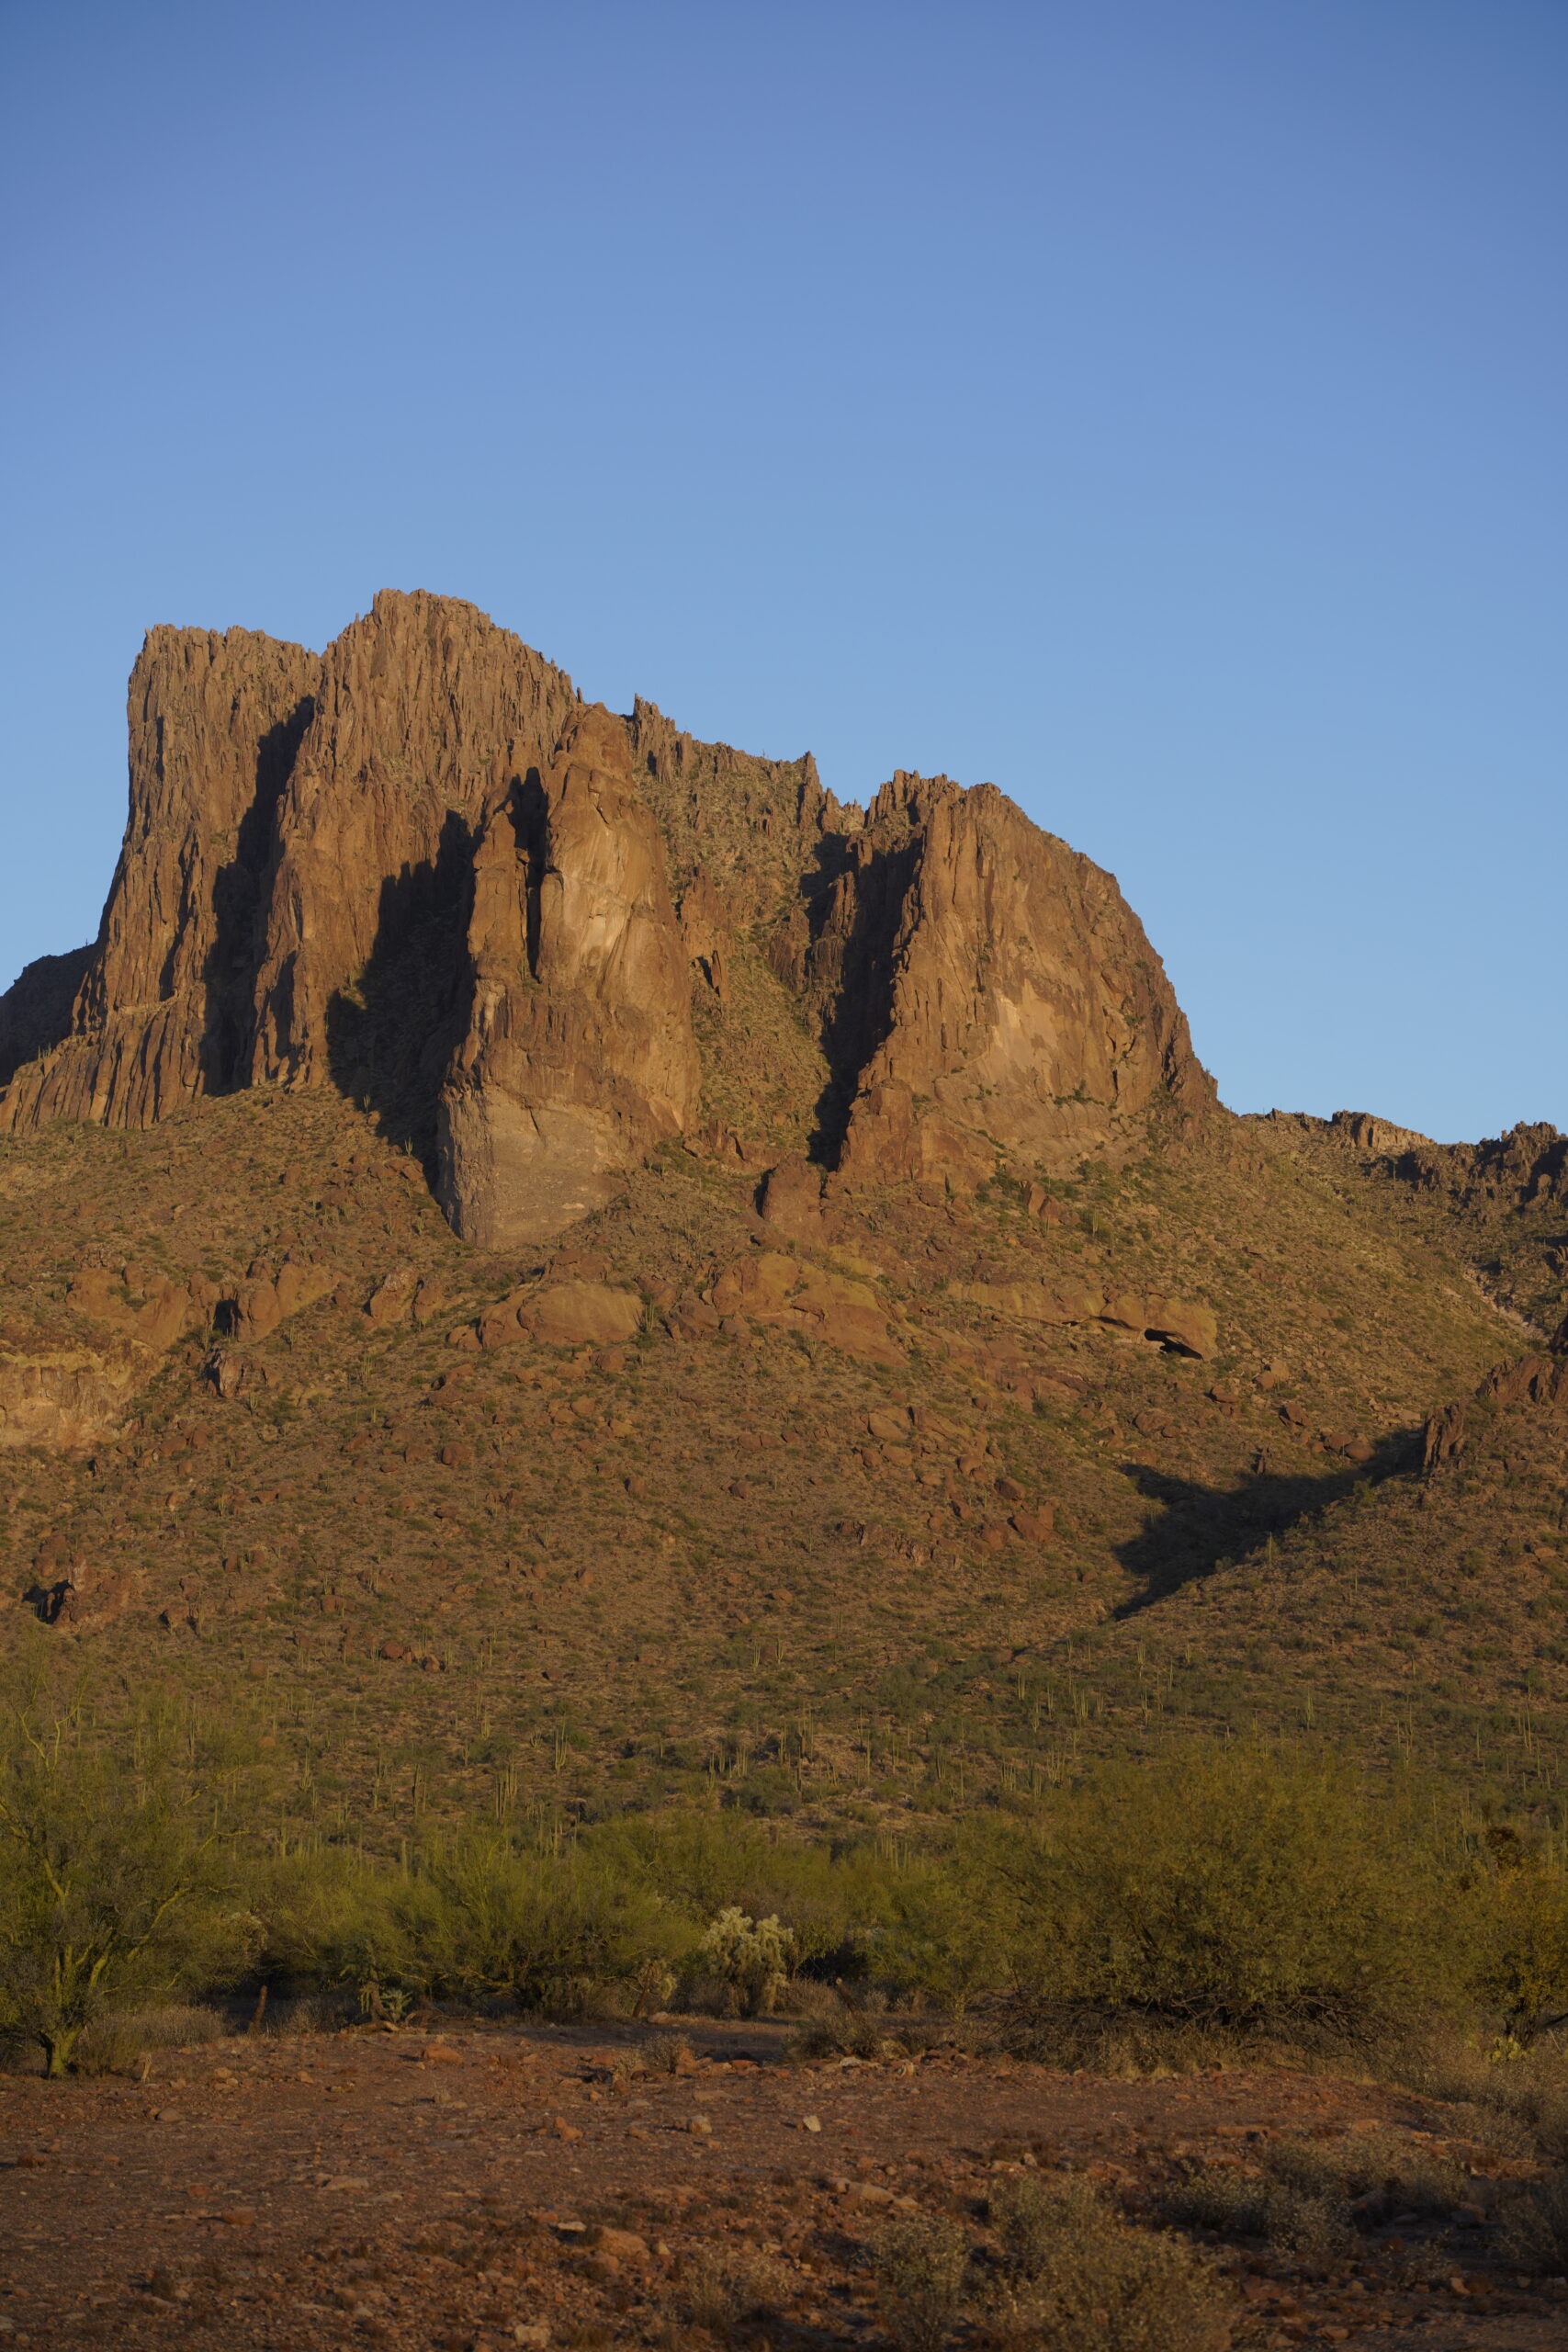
{"type": "Point", "coordinates": [537, 939]}
{"type": "Point", "coordinates": [516, 1194]}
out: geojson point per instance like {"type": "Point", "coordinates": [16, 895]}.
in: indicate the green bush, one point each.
{"type": "Point", "coordinates": [111, 1892]}
{"type": "Point", "coordinates": [1521, 1947]}
{"type": "Point", "coordinates": [1227, 1889]}
{"type": "Point", "coordinates": [473, 1919]}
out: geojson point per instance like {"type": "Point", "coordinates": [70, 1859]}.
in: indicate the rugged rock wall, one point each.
{"type": "Point", "coordinates": [417, 870]}
{"type": "Point", "coordinates": [163, 1008]}
{"type": "Point", "coordinates": [993, 990]}
{"type": "Point", "coordinates": [580, 1056]}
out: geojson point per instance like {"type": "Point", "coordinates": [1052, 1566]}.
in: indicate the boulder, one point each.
{"type": "Point", "coordinates": [577, 1313]}
{"type": "Point", "coordinates": [392, 1299]}
{"type": "Point", "coordinates": [790, 1199]}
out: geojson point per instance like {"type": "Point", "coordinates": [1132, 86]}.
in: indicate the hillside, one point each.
{"type": "Point", "coordinates": [547, 1264]}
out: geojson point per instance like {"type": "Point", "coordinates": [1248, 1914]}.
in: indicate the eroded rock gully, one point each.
{"type": "Point", "coordinates": [539, 940]}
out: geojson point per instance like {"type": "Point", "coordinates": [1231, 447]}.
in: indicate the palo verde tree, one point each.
{"type": "Point", "coordinates": [111, 1893]}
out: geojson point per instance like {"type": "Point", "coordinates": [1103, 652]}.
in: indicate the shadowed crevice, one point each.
{"type": "Point", "coordinates": [391, 1035]}
{"type": "Point", "coordinates": [239, 891]}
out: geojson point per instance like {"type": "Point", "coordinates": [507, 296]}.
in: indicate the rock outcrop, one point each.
{"type": "Point", "coordinates": [163, 1008]}
{"type": "Point", "coordinates": [580, 1056]}
{"type": "Point", "coordinates": [62, 1390]}
{"type": "Point", "coordinates": [1006, 997]}
{"type": "Point", "coordinates": [537, 940]}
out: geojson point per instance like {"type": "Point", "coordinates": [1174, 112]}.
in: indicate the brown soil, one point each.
{"type": "Point", "coordinates": [438, 2188]}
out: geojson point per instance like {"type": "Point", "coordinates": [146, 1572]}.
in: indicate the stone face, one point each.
{"type": "Point", "coordinates": [1021, 1005]}
{"type": "Point", "coordinates": [1180, 1324]}
{"type": "Point", "coordinates": [163, 1008]}
{"type": "Point", "coordinates": [426, 715]}
{"type": "Point", "coordinates": [580, 1056]}
{"type": "Point", "coordinates": [416, 868]}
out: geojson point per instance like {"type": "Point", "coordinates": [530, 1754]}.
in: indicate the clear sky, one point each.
{"type": "Point", "coordinates": [1156, 406]}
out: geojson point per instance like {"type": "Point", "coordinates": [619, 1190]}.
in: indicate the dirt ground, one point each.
{"type": "Point", "coordinates": [481, 2187]}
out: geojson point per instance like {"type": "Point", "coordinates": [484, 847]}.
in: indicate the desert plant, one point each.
{"type": "Point", "coordinates": [109, 1890]}
{"type": "Point", "coordinates": [752, 1956]}
{"type": "Point", "coordinates": [1228, 1889]}
{"type": "Point", "coordinates": [1521, 1967]}
{"type": "Point", "coordinates": [1313, 2221]}
{"type": "Point", "coordinates": [723, 2288]}
{"type": "Point", "coordinates": [1533, 2227]}
{"type": "Point", "coordinates": [665, 2054]}
{"type": "Point", "coordinates": [920, 2262]}
{"type": "Point", "coordinates": [1083, 2280]}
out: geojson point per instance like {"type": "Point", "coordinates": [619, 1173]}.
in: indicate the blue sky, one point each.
{"type": "Point", "coordinates": [1156, 406]}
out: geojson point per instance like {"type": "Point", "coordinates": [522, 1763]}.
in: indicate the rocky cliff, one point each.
{"type": "Point", "coordinates": [536, 939]}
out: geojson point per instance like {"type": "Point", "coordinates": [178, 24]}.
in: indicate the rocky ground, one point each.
{"type": "Point", "coordinates": [485, 2186]}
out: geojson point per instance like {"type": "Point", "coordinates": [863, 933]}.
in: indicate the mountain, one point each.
{"type": "Point", "coordinates": [542, 1253]}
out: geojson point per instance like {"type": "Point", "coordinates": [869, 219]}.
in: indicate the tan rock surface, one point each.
{"type": "Point", "coordinates": [580, 1054]}
{"type": "Point", "coordinates": [577, 1313]}
{"type": "Point", "coordinates": [164, 1010]}
{"type": "Point", "coordinates": [1025, 1008]}
{"type": "Point", "coordinates": [62, 1393]}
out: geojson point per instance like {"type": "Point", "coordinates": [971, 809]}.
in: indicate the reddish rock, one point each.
{"type": "Point", "coordinates": [1021, 1005]}
{"type": "Point", "coordinates": [165, 1007]}
{"type": "Point", "coordinates": [416, 868]}
{"type": "Point", "coordinates": [579, 1056]}
{"type": "Point", "coordinates": [572, 1314]}
{"type": "Point", "coordinates": [392, 1299]}
{"type": "Point", "coordinates": [790, 1202]}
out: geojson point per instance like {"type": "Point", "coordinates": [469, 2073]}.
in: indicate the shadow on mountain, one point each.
{"type": "Point", "coordinates": [35, 1011]}
{"type": "Point", "coordinates": [391, 1035]}
{"type": "Point", "coordinates": [1200, 1529]}
{"type": "Point", "coordinates": [854, 902]}
{"type": "Point", "coordinates": [228, 975]}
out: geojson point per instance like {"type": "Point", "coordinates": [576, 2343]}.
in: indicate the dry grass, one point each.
{"type": "Point", "coordinates": [664, 2053]}
{"type": "Point", "coordinates": [1512, 2101]}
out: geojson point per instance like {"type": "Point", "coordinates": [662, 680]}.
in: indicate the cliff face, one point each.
{"type": "Point", "coordinates": [417, 870]}
{"type": "Point", "coordinates": [163, 1006]}
{"type": "Point", "coordinates": [579, 1055]}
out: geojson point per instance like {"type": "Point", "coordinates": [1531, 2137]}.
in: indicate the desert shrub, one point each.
{"type": "Point", "coordinates": [474, 1918]}
{"type": "Point", "coordinates": [828, 1901]}
{"type": "Point", "coordinates": [723, 2288]}
{"type": "Point", "coordinates": [1520, 1966]}
{"type": "Point", "coordinates": [1513, 2100]}
{"type": "Point", "coordinates": [1313, 2221]}
{"type": "Point", "coordinates": [752, 1956]}
{"type": "Point", "coordinates": [1382, 2173]}
{"type": "Point", "coordinates": [921, 2261]}
{"type": "Point", "coordinates": [111, 1891]}
{"type": "Point", "coordinates": [1532, 2232]}
{"type": "Point", "coordinates": [665, 2054]}
{"type": "Point", "coordinates": [1225, 1889]}
{"type": "Point", "coordinates": [949, 1928]}
{"type": "Point", "coordinates": [1307, 2198]}
{"type": "Point", "coordinates": [1083, 2280]}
